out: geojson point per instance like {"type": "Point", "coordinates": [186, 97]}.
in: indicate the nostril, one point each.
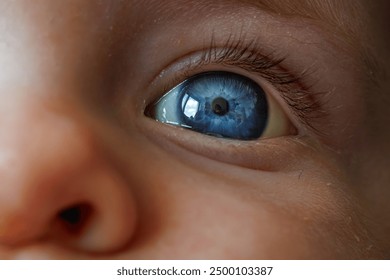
{"type": "Point", "coordinates": [75, 218]}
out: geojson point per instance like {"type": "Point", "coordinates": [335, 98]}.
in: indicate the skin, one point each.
{"type": "Point", "coordinates": [76, 79]}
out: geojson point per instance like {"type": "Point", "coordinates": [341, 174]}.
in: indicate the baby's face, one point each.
{"type": "Point", "coordinates": [275, 144]}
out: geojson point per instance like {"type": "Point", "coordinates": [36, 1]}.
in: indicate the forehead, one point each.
{"type": "Point", "coordinates": [327, 10]}
{"type": "Point", "coordinates": [343, 16]}
{"type": "Point", "coordinates": [346, 20]}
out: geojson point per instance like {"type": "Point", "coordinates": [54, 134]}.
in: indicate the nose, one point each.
{"type": "Point", "coordinates": [57, 182]}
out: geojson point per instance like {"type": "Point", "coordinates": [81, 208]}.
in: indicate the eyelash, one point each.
{"type": "Point", "coordinates": [306, 104]}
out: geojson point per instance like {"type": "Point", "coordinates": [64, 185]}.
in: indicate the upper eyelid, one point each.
{"type": "Point", "coordinates": [250, 57]}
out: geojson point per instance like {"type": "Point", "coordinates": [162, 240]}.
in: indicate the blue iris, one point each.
{"type": "Point", "coordinates": [221, 104]}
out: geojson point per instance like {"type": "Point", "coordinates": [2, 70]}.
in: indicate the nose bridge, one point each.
{"type": "Point", "coordinates": [33, 130]}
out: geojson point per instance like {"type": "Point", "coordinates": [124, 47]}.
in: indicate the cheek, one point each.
{"type": "Point", "coordinates": [220, 211]}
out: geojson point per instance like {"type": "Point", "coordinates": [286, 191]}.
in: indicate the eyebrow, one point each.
{"type": "Point", "coordinates": [344, 19]}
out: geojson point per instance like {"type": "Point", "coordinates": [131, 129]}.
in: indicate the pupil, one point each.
{"type": "Point", "coordinates": [220, 106]}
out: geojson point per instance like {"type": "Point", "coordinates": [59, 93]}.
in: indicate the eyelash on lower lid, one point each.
{"type": "Point", "coordinates": [247, 55]}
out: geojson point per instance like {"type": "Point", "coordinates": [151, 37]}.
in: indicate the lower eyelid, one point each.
{"type": "Point", "coordinates": [264, 154]}
{"type": "Point", "coordinates": [269, 154]}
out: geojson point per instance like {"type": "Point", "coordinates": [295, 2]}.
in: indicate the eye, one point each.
{"type": "Point", "coordinates": [220, 104]}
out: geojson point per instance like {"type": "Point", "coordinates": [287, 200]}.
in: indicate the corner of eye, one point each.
{"type": "Point", "coordinates": [149, 110]}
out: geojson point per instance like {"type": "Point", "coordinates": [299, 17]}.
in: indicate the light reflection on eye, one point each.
{"type": "Point", "coordinates": [190, 106]}
{"type": "Point", "coordinates": [221, 104]}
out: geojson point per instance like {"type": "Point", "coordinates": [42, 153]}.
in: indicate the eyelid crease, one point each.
{"type": "Point", "coordinates": [238, 52]}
